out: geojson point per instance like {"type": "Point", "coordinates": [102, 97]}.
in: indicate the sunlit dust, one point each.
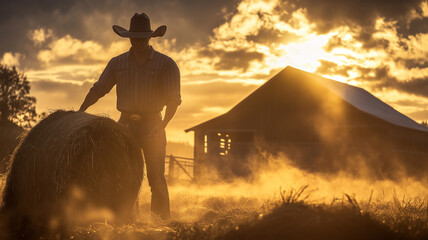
{"type": "Point", "coordinates": [281, 175]}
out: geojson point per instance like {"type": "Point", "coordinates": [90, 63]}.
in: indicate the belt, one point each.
{"type": "Point", "coordinates": [140, 116]}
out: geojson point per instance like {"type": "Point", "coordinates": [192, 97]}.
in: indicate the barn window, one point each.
{"type": "Point", "coordinates": [205, 143]}
{"type": "Point", "coordinates": [224, 144]}
{"type": "Point", "coordinates": [219, 143]}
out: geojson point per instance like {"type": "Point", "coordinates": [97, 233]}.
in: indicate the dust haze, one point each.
{"type": "Point", "coordinates": [191, 202]}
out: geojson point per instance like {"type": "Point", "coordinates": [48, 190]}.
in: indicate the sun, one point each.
{"type": "Point", "coordinates": [304, 54]}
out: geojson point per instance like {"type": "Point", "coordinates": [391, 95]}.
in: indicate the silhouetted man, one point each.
{"type": "Point", "coordinates": [146, 81]}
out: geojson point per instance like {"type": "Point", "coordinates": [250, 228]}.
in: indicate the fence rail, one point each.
{"type": "Point", "coordinates": [179, 167]}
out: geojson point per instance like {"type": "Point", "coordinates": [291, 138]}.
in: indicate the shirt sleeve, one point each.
{"type": "Point", "coordinates": [172, 84]}
{"type": "Point", "coordinates": [106, 81]}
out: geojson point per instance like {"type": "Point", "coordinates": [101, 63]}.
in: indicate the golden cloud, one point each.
{"type": "Point", "coordinates": [11, 59]}
{"type": "Point", "coordinates": [39, 36]}
{"type": "Point", "coordinates": [424, 7]}
{"type": "Point", "coordinates": [81, 52]}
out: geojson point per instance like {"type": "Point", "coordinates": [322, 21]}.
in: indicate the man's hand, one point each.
{"type": "Point", "coordinates": [90, 99]}
{"type": "Point", "coordinates": [169, 113]}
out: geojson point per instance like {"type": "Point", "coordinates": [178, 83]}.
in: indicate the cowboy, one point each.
{"type": "Point", "coordinates": [146, 81]}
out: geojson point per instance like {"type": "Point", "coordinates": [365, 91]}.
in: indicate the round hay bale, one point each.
{"type": "Point", "coordinates": [72, 167]}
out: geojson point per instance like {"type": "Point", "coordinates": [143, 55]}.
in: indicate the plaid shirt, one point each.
{"type": "Point", "coordinates": [141, 89]}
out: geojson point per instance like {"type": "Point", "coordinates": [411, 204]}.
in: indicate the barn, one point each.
{"type": "Point", "coordinates": [318, 123]}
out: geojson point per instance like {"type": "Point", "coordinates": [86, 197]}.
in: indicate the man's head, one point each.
{"type": "Point", "coordinates": [139, 44]}
{"type": "Point", "coordinates": [140, 28]}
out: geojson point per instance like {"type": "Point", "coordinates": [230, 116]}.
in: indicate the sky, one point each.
{"type": "Point", "coordinates": [225, 49]}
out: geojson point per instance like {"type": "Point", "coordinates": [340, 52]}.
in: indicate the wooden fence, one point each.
{"type": "Point", "coordinates": [179, 168]}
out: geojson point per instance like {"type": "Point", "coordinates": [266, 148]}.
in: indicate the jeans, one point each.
{"type": "Point", "coordinates": [154, 151]}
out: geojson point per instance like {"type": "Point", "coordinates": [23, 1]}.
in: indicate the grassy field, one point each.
{"type": "Point", "coordinates": [283, 204]}
{"type": "Point", "coordinates": [293, 216]}
{"type": "Point", "coordinates": [331, 207]}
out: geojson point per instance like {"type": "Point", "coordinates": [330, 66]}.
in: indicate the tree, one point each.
{"type": "Point", "coordinates": [15, 104]}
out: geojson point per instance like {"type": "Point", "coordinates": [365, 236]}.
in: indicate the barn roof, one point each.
{"type": "Point", "coordinates": [358, 97]}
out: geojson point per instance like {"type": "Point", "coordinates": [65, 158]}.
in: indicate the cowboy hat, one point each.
{"type": "Point", "coordinates": [139, 28]}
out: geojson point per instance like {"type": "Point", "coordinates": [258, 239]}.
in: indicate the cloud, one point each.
{"type": "Point", "coordinates": [272, 36]}
{"type": "Point", "coordinates": [75, 74]}
{"type": "Point", "coordinates": [188, 21]}
{"type": "Point", "coordinates": [261, 36]}
{"type": "Point", "coordinates": [39, 36]}
{"type": "Point", "coordinates": [77, 51]}
{"type": "Point", "coordinates": [198, 98]}
{"type": "Point", "coordinates": [332, 68]}
{"type": "Point", "coordinates": [418, 63]}
{"type": "Point", "coordinates": [11, 59]}
{"type": "Point", "coordinates": [254, 19]}
{"type": "Point", "coordinates": [328, 15]}
{"type": "Point", "coordinates": [203, 101]}
{"type": "Point", "coordinates": [416, 86]}
{"type": "Point", "coordinates": [421, 114]}
{"type": "Point", "coordinates": [225, 48]}
{"type": "Point", "coordinates": [229, 60]}
{"type": "Point", "coordinates": [424, 7]}
{"type": "Point", "coordinates": [362, 16]}
{"type": "Point", "coordinates": [416, 26]}
{"type": "Point", "coordinates": [381, 78]}
{"type": "Point", "coordinates": [66, 95]}
{"type": "Point", "coordinates": [70, 96]}
{"type": "Point", "coordinates": [399, 64]}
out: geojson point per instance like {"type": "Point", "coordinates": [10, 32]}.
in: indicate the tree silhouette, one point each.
{"type": "Point", "coordinates": [15, 104]}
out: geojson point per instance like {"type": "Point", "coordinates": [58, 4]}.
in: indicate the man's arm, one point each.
{"type": "Point", "coordinates": [169, 114]}
{"type": "Point", "coordinates": [90, 99]}
{"type": "Point", "coordinates": [170, 111]}
{"type": "Point", "coordinates": [172, 85]}
{"type": "Point", "coordinates": [104, 84]}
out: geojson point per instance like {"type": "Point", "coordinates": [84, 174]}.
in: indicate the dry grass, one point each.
{"type": "Point", "coordinates": [292, 216]}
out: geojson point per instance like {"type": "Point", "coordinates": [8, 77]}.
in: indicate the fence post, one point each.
{"type": "Point", "coordinates": [171, 170]}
